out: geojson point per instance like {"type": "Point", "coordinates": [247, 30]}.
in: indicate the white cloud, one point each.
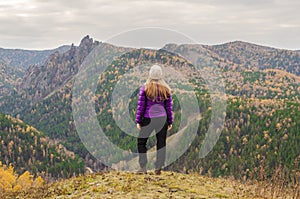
{"type": "Point", "coordinates": [289, 25]}
{"type": "Point", "coordinates": [39, 24]}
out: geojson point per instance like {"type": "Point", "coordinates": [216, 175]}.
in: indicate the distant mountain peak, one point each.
{"type": "Point", "coordinates": [23, 59]}
{"type": "Point", "coordinates": [240, 43]}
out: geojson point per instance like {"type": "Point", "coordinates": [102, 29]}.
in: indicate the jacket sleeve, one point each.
{"type": "Point", "coordinates": [141, 105]}
{"type": "Point", "coordinates": [169, 110]}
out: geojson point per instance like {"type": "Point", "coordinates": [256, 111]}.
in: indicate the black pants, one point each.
{"type": "Point", "coordinates": [160, 126]}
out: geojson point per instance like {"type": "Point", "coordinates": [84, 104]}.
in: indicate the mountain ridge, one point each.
{"type": "Point", "coordinates": [257, 57]}
{"type": "Point", "coordinates": [242, 42]}
{"type": "Point", "coordinates": [212, 44]}
{"type": "Point", "coordinates": [24, 58]}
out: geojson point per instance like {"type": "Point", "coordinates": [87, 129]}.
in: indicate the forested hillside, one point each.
{"type": "Point", "coordinates": [260, 139]}
{"type": "Point", "coordinates": [256, 57]}
{"type": "Point", "coordinates": [27, 149]}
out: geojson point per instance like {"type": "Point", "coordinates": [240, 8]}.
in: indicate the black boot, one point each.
{"type": "Point", "coordinates": [142, 170]}
{"type": "Point", "coordinates": [157, 171]}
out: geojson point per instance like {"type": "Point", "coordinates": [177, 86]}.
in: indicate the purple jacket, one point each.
{"type": "Point", "coordinates": [149, 109]}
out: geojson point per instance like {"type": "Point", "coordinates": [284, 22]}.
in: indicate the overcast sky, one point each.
{"type": "Point", "coordinates": [43, 24]}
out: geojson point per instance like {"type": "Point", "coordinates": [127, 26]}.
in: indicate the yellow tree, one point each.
{"type": "Point", "coordinates": [39, 182]}
{"type": "Point", "coordinates": [25, 180]}
{"type": "Point", "coordinates": [7, 178]}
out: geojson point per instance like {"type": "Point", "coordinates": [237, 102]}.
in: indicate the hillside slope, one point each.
{"type": "Point", "coordinates": [10, 77]}
{"type": "Point", "coordinates": [168, 185]}
{"type": "Point", "coordinates": [27, 149]}
{"type": "Point", "coordinates": [257, 57]}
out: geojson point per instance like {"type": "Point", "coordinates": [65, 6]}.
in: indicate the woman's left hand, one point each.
{"type": "Point", "coordinates": [169, 127]}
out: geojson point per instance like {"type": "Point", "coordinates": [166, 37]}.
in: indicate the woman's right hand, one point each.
{"type": "Point", "coordinates": [138, 126]}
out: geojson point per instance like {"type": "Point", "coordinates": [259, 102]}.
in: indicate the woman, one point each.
{"type": "Point", "coordinates": [154, 112]}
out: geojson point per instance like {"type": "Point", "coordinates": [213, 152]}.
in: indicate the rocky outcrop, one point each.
{"type": "Point", "coordinates": [40, 81]}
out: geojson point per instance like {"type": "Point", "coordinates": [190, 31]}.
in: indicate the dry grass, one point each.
{"type": "Point", "coordinates": [116, 184]}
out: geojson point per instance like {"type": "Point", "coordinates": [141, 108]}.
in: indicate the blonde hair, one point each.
{"type": "Point", "coordinates": [157, 90]}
